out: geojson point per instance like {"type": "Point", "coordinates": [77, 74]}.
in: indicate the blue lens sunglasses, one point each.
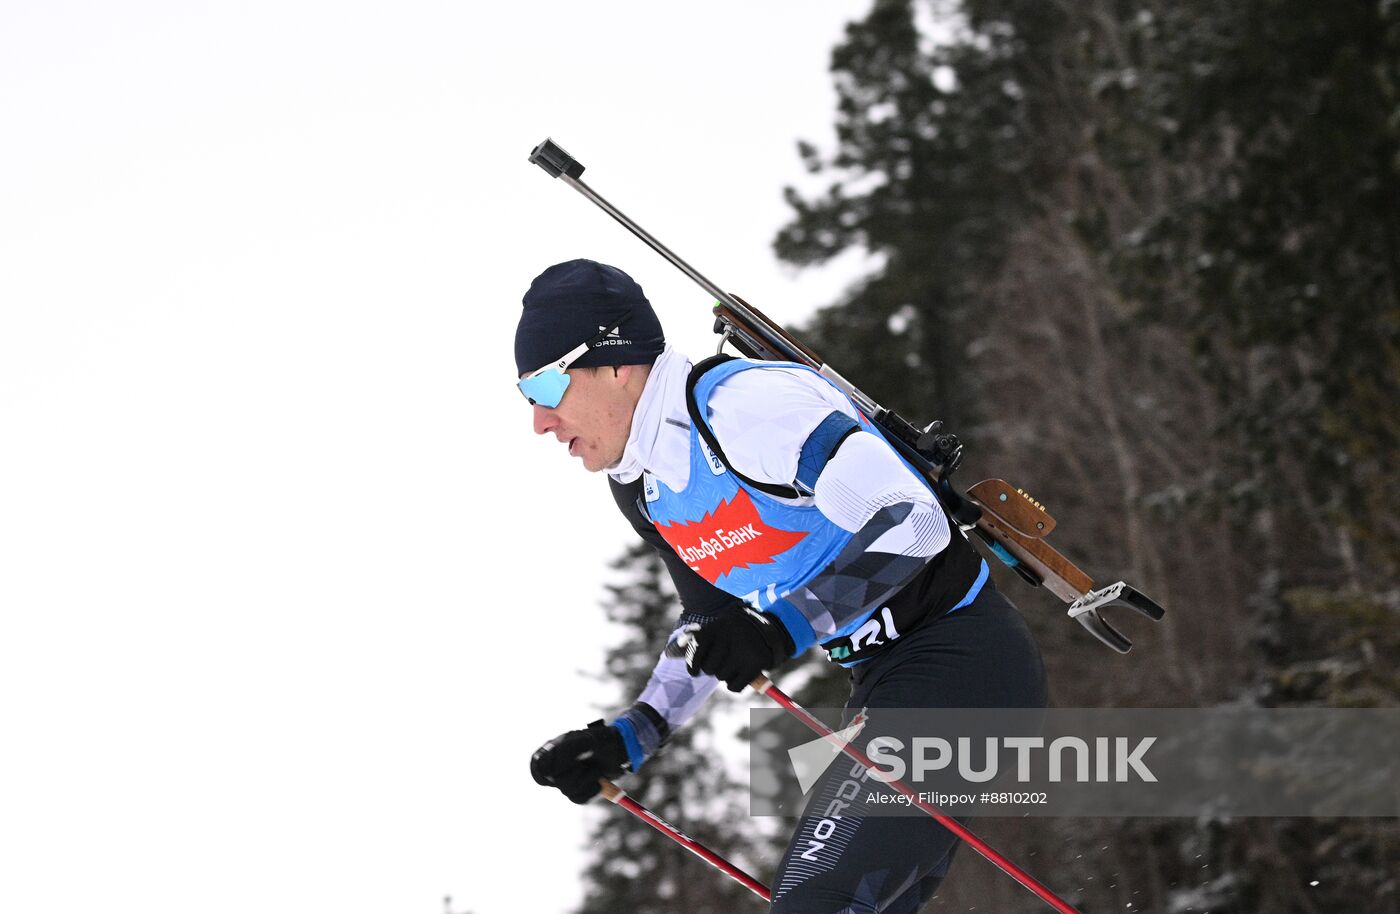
{"type": "Point", "coordinates": [545, 386]}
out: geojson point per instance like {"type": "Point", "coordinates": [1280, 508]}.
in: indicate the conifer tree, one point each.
{"type": "Point", "coordinates": [1143, 256]}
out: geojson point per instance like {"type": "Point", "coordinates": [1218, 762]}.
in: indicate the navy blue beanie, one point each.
{"type": "Point", "coordinates": [571, 302]}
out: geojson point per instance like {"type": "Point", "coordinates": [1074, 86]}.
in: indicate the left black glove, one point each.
{"type": "Point", "coordinates": [574, 761]}
{"type": "Point", "coordinates": [736, 647]}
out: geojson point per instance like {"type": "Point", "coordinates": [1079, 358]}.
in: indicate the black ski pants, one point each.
{"type": "Point", "coordinates": [979, 656]}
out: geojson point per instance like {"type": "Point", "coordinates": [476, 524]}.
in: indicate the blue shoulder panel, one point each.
{"type": "Point", "coordinates": [821, 444]}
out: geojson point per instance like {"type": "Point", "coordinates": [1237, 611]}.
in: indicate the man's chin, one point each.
{"type": "Point", "coordinates": [598, 467]}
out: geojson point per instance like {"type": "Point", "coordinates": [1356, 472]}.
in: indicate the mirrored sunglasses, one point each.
{"type": "Point", "coordinates": [545, 386]}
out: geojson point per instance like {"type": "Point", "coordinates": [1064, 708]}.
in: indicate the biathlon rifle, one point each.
{"type": "Point", "coordinates": [1008, 521]}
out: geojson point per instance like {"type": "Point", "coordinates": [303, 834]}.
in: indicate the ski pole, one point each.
{"type": "Point", "coordinates": [763, 686]}
{"type": "Point", "coordinates": [614, 794]}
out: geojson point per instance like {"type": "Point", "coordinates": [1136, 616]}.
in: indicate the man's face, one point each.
{"type": "Point", "coordinates": [594, 417]}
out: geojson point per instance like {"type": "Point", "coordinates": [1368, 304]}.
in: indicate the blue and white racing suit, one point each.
{"type": "Point", "coordinates": [761, 484]}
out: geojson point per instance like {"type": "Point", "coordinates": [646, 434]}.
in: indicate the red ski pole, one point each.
{"type": "Point", "coordinates": [615, 794]}
{"type": "Point", "coordinates": [764, 686]}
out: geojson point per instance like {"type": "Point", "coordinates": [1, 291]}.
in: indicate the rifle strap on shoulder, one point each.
{"type": "Point", "coordinates": [703, 427]}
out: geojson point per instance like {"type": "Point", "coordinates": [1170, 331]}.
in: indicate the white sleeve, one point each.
{"type": "Point", "coordinates": [762, 422]}
{"type": "Point", "coordinates": [762, 417]}
{"type": "Point", "coordinates": [670, 698]}
{"type": "Point", "coordinates": [865, 475]}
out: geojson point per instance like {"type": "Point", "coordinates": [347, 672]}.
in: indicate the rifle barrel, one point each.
{"type": "Point", "coordinates": [730, 301]}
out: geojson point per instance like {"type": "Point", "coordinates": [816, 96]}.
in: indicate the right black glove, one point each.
{"type": "Point", "coordinates": [574, 761]}
{"type": "Point", "coordinates": [736, 647]}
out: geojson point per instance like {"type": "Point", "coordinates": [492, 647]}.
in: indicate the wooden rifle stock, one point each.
{"type": "Point", "coordinates": [749, 337]}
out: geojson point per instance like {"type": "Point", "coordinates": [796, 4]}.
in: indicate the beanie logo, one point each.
{"type": "Point", "coordinates": [613, 338]}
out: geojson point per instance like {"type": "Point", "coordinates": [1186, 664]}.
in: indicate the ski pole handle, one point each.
{"type": "Point", "coordinates": [616, 795]}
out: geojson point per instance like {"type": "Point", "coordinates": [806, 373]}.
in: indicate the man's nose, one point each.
{"type": "Point", "coordinates": [545, 419]}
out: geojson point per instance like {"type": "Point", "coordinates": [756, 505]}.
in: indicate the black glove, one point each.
{"type": "Point", "coordinates": [737, 646]}
{"type": "Point", "coordinates": [574, 761]}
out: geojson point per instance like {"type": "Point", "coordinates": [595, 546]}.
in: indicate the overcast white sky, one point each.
{"type": "Point", "coordinates": [288, 590]}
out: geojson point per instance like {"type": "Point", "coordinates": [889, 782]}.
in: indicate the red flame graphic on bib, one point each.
{"type": "Point", "coordinates": [732, 536]}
